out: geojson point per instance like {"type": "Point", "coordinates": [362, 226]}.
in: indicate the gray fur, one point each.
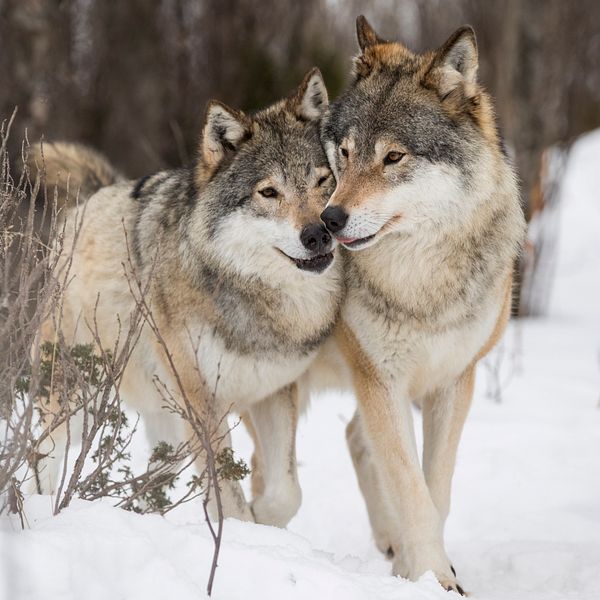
{"type": "Point", "coordinates": [168, 203]}
{"type": "Point", "coordinates": [241, 288]}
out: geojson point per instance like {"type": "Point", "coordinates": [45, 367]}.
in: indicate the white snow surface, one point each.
{"type": "Point", "coordinates": [525, 520]}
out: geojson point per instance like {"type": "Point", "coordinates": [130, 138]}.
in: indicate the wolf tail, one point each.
{"type": "Point", "coordinates": [74, 170]}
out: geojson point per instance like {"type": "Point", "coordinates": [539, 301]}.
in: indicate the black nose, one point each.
{"type": "Point", "coordinates": [334, 218]}
{"type": "Point", "coordinates": [316, 238]}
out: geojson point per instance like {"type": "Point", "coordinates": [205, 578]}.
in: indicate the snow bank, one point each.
{"type": "Point", "coordinates": [576, 292]}
{"type": "Point", "coordinates": [93, 551]}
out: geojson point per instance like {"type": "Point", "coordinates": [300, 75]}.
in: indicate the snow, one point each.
{"type": "Point", "coordinates": [525, 521]}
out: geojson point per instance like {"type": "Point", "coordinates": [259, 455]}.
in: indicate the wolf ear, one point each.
{"type": "Point", "coordinates": [311, 99]}
{"type": "Point", "coordinates": [224, 130]}
{"type": "Point", "coordinates": [456, 62]}
{"type": "Point", "coordinates": [367, 37]}
{"type": "Point", "coordinates": [366, 34]}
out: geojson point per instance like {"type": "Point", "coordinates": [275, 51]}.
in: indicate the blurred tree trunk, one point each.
{"type": "Point", "coordinates": [132, 78]}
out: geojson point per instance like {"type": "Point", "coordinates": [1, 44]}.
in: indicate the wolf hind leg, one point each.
{"type": "Point", "coordinates": [48, 468]}
{"type": "Point", "coordinates": [444, 415]}
{"type": "Point", "coordinates": [163, 426]}
{"type": "Point", "coordinates": [369, 482]}
{"type": "Point", "coordinates": [275, 421]}
{"type": "Point", "coordinates": [257, 482]}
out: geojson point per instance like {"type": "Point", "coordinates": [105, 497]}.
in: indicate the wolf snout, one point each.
{"type": "Point", "coordinates": [335, 218]}
{"type": "Point", "coordinates": [316, 238]}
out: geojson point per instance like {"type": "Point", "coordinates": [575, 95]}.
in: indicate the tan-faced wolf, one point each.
{"type": "Point", "coordinates": [239, 261]}
{"type": "Point", "coordinates": [429, 203]}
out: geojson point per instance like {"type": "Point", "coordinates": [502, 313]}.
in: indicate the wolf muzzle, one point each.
{"type": "Point", "coordinates": [318, 241]}
{"type": "Point", "coordinates": [335, 218]}
{"type": "Point", "coordinates": [316, 238]}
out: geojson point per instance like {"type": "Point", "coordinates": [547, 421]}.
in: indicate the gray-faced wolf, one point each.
{"type": "Point", "coordinates": [429, 203]}
{"type": "Point", "coordinates": [240, 262]}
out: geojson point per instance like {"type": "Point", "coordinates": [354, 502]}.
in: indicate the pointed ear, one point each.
{"type": "Point", "coordinates": [366, 34]}
{"type": "Point", "coordinates": [457, 62]}
{"type": "Point", "coordinates": [224, 130]}
{"type": "Point", "coordinates": [363, 64]}
{"type": "Point", "coordinates": [311, 99]}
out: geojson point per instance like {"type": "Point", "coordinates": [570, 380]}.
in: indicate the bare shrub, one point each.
{"type": "Point", "coordinates": [540, 253]}
{"type": "Point", "coordinates": [28, 291]}
{"type": "Point", "coordinates": [504, 362]}
{"type": "Point", "coordinates": [62, 399]}
{"type": "Point", "coordinates": [199, 413]}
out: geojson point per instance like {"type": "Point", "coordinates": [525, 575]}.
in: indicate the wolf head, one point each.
{"type": "Point", "coordinates": [264, 181]}
{"type": "Point", "coordinates": [408, 139]}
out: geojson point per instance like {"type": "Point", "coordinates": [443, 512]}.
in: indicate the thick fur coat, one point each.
{"type": "Point", "coordinates": [244, 280]}
{"type": "Point", "coordinates": [427, 206]}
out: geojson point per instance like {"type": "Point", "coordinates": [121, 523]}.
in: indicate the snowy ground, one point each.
{"type": "Point", "coordinates": [525, 522]}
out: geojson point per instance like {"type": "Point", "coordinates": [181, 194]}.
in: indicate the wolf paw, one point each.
{"type": "Point", "coordinates": [383, 544]}
{"type": "Point", "coordinates": [277, 509]}
{"type": "Point", "coordinates": [449, 583]}
{"type": "Point", "coordinates": [411, 565]}
{"type": "Point", "coordinates": [453, 586]}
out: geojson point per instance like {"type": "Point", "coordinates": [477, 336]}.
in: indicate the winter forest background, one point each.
{"type": "Point", "coordinates": [132, 79]}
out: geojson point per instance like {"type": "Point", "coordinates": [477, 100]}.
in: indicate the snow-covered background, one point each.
{"type": "Point", "coordinates": [525, 521]}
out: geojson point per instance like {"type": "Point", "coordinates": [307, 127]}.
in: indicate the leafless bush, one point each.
{"type": "Point", "coordinates": [200, 414]}
{"type": "Point", "coordinates": [29, 289]}
{"type": "Point", "coordinates": [61, 399]}
{"type": "Point", "coordinates": [503, 363]}
{"type": "Point", "coordinates": [540, 253]}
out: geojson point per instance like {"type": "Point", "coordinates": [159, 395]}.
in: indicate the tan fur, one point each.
{"type": "Point", "coordinates": [370, 182]}
{"type": "Point", "coordinates": [395, 54]}
{"type": "Point", "coordinates": [101, 252]}
{"type": "Point", "coordinates": [502, 321]}
{"type": "Point", "coordinates": [256, 465]}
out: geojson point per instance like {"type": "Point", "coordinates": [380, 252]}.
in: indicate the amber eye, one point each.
{"type": "Point", "coordinates": [323, 179]}
{"type": "Point", "coordinates": [344, 152]}
{"type": "Point", "coordinates": [393, 157]}
{"type": "Point", "coordinates": [269, 192]}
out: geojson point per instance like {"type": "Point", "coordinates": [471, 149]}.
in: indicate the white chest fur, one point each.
{"type": "Point", "coordinates": [417, 359]}
{"type": "Point", "coordinates": [242, 380]}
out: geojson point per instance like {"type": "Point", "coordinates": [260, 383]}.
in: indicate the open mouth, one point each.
{"type": "Point", "coordinates": [355, 242]}
{"type": "Point", "coordinates": [316, 264]}
{"type": "Point", "coordinates": [358, 242]}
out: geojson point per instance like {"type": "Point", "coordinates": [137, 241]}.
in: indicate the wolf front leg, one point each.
{"type": "Point", "coordinates": [274, 423]}
{"type": "Point", "coordinates": [385, 410]}
{"type": "Point", "coordinates": [417, 532]}
{"type": "Point", "coordinates": [444, 414]}
{"type": "Point", "coordinates": [233, 500]}
{"type": "Point", "coordinates": [48, 469]}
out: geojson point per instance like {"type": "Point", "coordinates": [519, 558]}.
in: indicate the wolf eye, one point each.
{"type": "Point", "coordinates": [269, 192]}
{"type": "Point", "coordinates": [393, 157]}
{"type": "Point", "coordinates": [344, 152]}
{"type": "Point", "coordinates": [323, 179]}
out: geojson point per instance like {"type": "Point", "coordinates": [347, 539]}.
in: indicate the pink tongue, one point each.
{"type": "Point", "coordinates": [342, 240]}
